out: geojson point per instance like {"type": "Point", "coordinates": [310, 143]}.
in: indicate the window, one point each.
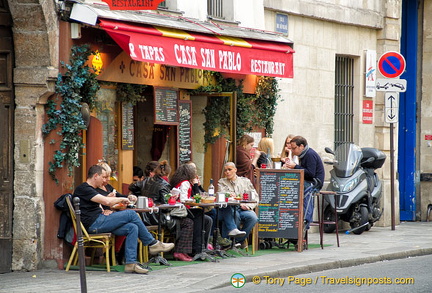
{"type": "Point", "coordinates": [215, 8]}
{"type": "Point", "coordinates": [162, 4]}
{"type": "Point", "coordinates": [344, 110]}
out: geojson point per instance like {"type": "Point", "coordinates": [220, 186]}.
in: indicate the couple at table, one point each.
{"type": "Point", "coordinates": [186, 180]}
{"type": "Point", "coordinates": [124, 223]}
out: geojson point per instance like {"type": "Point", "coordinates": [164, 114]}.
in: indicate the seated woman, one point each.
{"type": "Point", "coordinates": [156, 187]}
{"type": "Point", "coordinates": [246, 164]}
{"type": "Point", "coordinates": [266, 148]}
{"type": "Point", "coordinates": [108, 190]}
{"type": "Point", "coordinates": [286, 155]}
{"type": "Point", "coordinates": [185, 179]}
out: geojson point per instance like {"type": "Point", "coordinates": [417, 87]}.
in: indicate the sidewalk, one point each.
{"type": "Point", "coordinates": [380, 243]}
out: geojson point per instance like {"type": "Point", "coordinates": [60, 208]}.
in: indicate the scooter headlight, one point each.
{"type": "Point", "coordinates": [350, 185]}
{"type": "Point", "coordinates": [335, 184]}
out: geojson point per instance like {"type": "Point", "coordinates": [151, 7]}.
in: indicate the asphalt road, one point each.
{"type": "Point", "coordinates": [407, 275]}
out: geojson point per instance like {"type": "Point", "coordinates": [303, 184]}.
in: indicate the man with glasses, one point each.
{"type": "Point", "coordinates": [244, 213]}
{"type": "Point", "coordinates": [309, 161]}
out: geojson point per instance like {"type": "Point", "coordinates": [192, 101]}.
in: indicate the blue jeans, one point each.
{"type": "Point", "coordinates": [247, 218]}
{"type": "Point", "coordinates": [124, 223]}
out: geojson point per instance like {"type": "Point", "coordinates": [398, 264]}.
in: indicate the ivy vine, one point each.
{"type": "Point", "coordinates": [130, 93]}
{"type": "Point", "coordinates": [253, 110]}
{"type": "Point", "coordinates": [76, 86]}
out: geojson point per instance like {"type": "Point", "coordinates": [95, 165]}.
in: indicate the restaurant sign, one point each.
{"type": "Point", "coordinates": [213, 53]}
{"type": "Point", "coordinates": [133, 4]}
{"type": "Point", "coordinates": [124, 69]}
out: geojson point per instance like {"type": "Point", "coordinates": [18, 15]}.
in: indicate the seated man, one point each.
{"type": "Point", "coordinates": [245, 214]}
{"type": "Point", "coordinates": [125, 223]}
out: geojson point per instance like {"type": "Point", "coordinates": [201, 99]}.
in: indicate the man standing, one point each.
{"type": "Point", "coordinates": [309, 161]}
{"type": "Point", "coordinates": [245, 214]}
{"type": "Point", "coordinates": [123, 223]}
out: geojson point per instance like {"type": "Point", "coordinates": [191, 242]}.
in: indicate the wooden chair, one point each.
{"type": "Point", "coordinates": [101, 240]}
{"type": "Point", "coordinates": [143, 254]}
{"type": "Point", "coordinates": [254, 238]}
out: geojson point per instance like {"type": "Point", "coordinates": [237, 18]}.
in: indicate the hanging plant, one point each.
{"type": "Point", "coordinates": [266, 99]}
{"type": "Point", "coordinates": [252, 109]}
{"type": "Point", "coordinates": [130, 93]}
{"type": "Point", "coordinates": [78, 85]}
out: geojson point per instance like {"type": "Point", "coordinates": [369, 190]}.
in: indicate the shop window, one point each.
{"type": "Point", "coordinates": [163, 4]}
{"type": "Point", "coordinates": [344, 91]}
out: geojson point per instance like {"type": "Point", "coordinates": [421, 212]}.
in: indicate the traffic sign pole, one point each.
{"type": "Point", "coordinates": [391, 65]}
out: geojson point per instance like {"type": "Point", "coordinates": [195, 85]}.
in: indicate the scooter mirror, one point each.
{"type": "Point", "coordinates": [329, 150]}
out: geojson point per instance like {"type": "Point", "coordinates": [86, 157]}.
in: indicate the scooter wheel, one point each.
{"type": "Point", "coordinates": [363, 220]}
{"type": "Point", "coordinates": [329, 217]}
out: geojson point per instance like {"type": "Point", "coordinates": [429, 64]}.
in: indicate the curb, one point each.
{"type": "Point", "coordinates": [332, 265]}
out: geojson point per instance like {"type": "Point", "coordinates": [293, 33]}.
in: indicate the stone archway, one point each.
{"type": "Point", "coordinates": [35, 38]}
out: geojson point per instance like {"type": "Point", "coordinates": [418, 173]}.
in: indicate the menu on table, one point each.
{"type": "Point", "coordinates": [166, 106]}
{"type": "Point", "coordinates": [281, 203]}
{"type": "Point", "coordinates": [184, 131]}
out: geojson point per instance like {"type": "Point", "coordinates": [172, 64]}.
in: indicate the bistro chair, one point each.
{"type": "Point", "coordinates": [143, 254]}
{"type": "Point", "coordinates": [106, 241]}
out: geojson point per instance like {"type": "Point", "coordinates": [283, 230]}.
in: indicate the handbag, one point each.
{"type": "Point", "coordinates": [179, 212]}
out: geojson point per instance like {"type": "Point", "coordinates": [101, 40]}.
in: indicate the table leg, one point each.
{"type": "Point", "coordinates": [158, 259]}
{"type": "Point", "coordinates": [203, 255]}
{"type": "Point", "coordinates": [217, 249]}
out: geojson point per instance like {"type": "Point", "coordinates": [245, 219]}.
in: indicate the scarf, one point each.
{"type": "Point", "coordinates": [303, 153]}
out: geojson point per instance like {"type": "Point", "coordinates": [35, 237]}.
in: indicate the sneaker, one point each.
{"type": "Point", "coordinates": [236, 233]}
{"type": "Point", "coordinates": [160, 247]}
{"type": "Point", "coordinates": [135, 268]}
{"type": "Point", "coordinates": [223, 241]}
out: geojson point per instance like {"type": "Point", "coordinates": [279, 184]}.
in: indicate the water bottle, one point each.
{"type": "Point", "coordinates": [211, 189]}
{"type": "Point", "coordinates": [269, 160]}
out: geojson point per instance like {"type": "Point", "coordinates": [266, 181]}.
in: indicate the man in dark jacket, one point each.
{"type": "Point", "coordinates": [309, 160]}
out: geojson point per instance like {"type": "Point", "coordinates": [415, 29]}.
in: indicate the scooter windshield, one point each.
{"type": "Point", "coordinates": [348, 157]}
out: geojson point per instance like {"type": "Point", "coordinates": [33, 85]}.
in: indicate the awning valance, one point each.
{"type": "Point", "coordinates": [174, 47]}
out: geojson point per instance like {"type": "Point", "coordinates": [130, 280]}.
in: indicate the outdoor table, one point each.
{"type": "Point", "coordinates": [158, 259]}
{"type": "Point", "coordinates": [203, 255]}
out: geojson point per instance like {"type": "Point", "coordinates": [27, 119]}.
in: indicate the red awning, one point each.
{"type": "Point", "coordinates": [201, 51]}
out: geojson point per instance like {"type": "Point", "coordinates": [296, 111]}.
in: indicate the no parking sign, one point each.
{"type": "Point", "coordinates": [391, 64]}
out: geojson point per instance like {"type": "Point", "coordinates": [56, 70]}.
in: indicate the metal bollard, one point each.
{"type": "Point", "coordinates": [81, 253]}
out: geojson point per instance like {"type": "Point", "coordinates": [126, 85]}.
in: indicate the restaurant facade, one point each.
{"type": "Point", "coordinates": [170, 57]}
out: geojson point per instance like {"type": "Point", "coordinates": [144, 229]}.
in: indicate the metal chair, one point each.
{"type": "Point", "coordinates": [101, 240]}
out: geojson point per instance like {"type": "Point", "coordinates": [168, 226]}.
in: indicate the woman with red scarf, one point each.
{"type": "Point", "coordinates": [185, 179]}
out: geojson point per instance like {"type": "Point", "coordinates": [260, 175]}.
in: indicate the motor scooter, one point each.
{"type": "Point", "coordinates": [358, 187]}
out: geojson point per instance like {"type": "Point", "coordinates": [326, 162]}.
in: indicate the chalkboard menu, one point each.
{"type": "Point", "coordinates": [281, 203]}
{"type": "Point", "coordinates": [185, 131]}
{"type": "Point", "coordinates": [166, 106]}
{"type": "Point", "coordinates": [127, 127]}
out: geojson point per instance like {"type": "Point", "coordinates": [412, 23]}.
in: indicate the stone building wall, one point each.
{"type": "Point", "coordinates": [35, 33]}
{"type": "Point", "coordinates": [321, 30]}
